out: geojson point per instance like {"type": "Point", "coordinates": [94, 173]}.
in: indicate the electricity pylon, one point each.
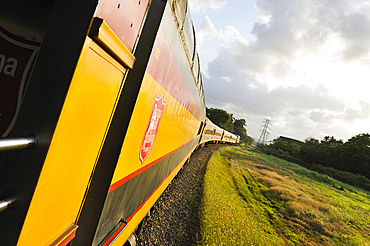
{"type": "Point", "coordinates": [264, 130]}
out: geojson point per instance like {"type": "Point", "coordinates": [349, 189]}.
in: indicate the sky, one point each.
{"type": "Point", "coordinates": [302, 64]}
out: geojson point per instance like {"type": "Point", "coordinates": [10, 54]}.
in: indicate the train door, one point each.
{"type": "Point", "coordinates": [66, 114]}
{"type": "Point", "coordinates": [75, 112]}
{"type": "Point", "coordinates": [54, 33]}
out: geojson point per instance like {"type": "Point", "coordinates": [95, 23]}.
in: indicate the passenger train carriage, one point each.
{"type": "Point", "coordinates": [101, 104]}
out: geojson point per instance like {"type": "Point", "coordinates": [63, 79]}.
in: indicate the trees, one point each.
{"type": "Point", "coordinates": [219, 116]}
{"type": "Point", "coordinates": [310, 151]}
{"type": "Point", "coordinates": [227, 121]}
{"type": "Point", "coordinates": [355, 154]}
{"type": "Point", "coordinates": [352, 156]}
{"type": "Point", "coordinates": [288, 150]}
{"type": "Point", "coordinates": [239, 129]}
{"type": "Point", "coordinates": [330, 149]}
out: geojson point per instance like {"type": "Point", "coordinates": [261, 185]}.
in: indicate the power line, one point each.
{"type": "Point", "coordinates": [265, 133]}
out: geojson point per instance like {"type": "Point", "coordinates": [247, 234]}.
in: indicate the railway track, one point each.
{"type": "Point", "coordinates": [175, 218]}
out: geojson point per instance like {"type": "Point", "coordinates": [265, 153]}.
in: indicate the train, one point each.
{"type": "Point", "coordinates": [101, 104]}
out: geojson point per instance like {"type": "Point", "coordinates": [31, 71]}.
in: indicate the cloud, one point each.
{"type": "Point", "coordinates": [241, 89]}
{"type": "Point", "coordinates": [198, 6]}
{"type": "Point", "coordinates": [321, 116]}
{"type": "Point", "coordinates": [288, 72]}
{"type": "Point", "coordinates": [207, 31]}
{"type": "Point", "coordinates": [355, 30]}
{"type": "Point", "coordinates": [227, 79]}
{"type": "Point", "coordinates": [244, 87]}
{"type": "Point", "coordinates": [296, 26]}
{"type": "Point", "coordinates": [230, 34]}
{"type": "Point", "coordinates": [350, 114]}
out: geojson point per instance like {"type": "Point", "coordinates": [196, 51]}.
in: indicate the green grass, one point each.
{"type": "Point", "coordinates": [255, 199]}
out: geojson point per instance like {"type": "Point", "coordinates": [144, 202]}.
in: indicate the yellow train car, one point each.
{"type": "Point", "coordinates": [215, 134]}
{"type": "Point", "coordinates": [162, 133]}
{"type": "Point", "coordinates": [210, 133]}
{"type": "Point", "coordinates": [231, 138]}
{"type": "Point", "coordinates": [101, 103]}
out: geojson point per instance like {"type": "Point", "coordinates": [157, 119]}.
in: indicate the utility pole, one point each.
{"type": "Point", "coordinates": [265, 133]}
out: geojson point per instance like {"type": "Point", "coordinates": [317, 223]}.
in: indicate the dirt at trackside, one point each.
{"type": "Point", "coordinates": [175, 218]}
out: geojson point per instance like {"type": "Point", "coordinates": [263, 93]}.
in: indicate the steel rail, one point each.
{"type": "Point", "coordinates": [16, 143]}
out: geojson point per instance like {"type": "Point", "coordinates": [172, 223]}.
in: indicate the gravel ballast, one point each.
{"type": "Point", "coordinates": [175, 217]}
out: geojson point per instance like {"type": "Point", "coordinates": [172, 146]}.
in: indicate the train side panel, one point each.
{"type": "Point", "coordinates": [219, 133]}
{"type": "Point", "coordinates": [81, 129]}
{"type": "Point", "coordinates": [49, 79]}
{"type": "Point", "coordinates": [151, 158]}
{"type": "Point", "coordinates": [65, 174]}
{"type": "Point", "coordinates": [211, 132]}
{"type": "Point", "coordinates": [116, 132]}
{"type": "Point", "coordinates": [214, 133]}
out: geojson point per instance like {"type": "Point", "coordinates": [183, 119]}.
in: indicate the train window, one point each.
{"type": "Point", "coordinates": [199, 80]}
{"type": "Point", "coordinates": [201, 92]}
{"type": "Point", "coordinates": [200, 128]}
{"type": "Point", "coordinates": [179, 8]}
{"type": "Point", "coordinates": [200, 84]}
{"type": "Point", "coordinates": [189, 34]}
{"type": "Point", "coordinates": [209, 132]}
{"type": "Point", "coordinates": [196, 67]}
{"type": "Point", "coordinates": [195, 41]}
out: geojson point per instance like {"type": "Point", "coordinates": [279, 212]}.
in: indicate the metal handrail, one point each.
{"type": "Point", "coordinates": [16, 143]}
{"type": "Point", "coordinates": [8, 202]}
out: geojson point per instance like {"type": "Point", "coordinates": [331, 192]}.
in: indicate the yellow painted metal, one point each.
{"type": "Point", "coordinates": [65, 236]}
{"type": "Point", "coordinates": [177, 127]}
{"type": "Point", "coordinates": [109, 40]}
{"type": "Point", "coordinates": [75, 146]}
{"type": "Point", "coordinates": [139, 216]}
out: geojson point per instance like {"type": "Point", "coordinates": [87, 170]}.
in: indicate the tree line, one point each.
{"type": "Point", "coordinates": [352, 156]}
{"type": "Point", "coordinates": [228, 122]}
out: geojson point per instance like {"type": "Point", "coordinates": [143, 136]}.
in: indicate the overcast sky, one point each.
{"type": "Point", "coordinates": [303, 64]}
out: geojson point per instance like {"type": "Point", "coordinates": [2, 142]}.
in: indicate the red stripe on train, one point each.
{"type": "Point", "coordinates": [171, 78]}
{"type": "Point", "coordinates": [112, 238]}
{"type": "Point", "coordinates": [137, 172]}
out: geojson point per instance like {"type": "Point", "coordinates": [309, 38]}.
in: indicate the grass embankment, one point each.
{"type": "Point", "coordinates": [255, 199]}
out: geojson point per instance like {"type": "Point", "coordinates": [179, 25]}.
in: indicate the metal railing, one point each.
{"type": "Point", "coordinates": [16, 143]}
{"type": "Point", "coordinates": [13, 144]}
{"type": "Point", "coordinates": [7, 202]}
